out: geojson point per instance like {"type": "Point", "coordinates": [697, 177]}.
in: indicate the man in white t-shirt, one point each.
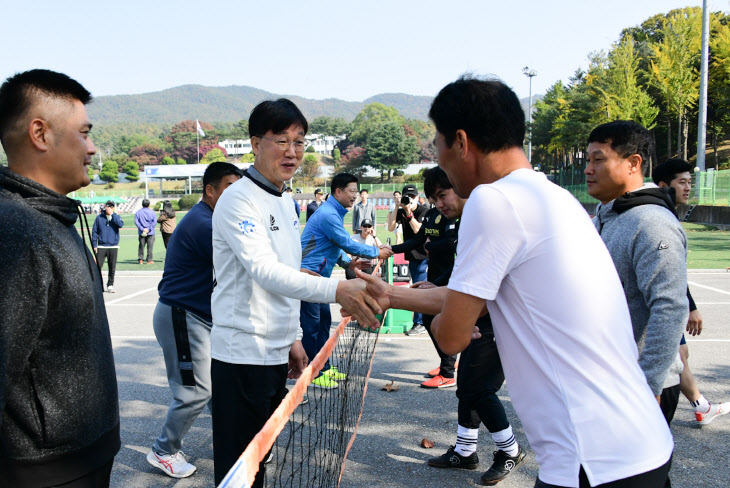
{"type": "Point", "coordinates": [529, 253]}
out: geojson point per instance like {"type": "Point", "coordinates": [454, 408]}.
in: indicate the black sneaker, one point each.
{"type": "Point", "coordinates": [452, 459]}
{"type": "Point", "coordinates": [417, 329]}
{"type": "Point", "coordinates": [502, 466]}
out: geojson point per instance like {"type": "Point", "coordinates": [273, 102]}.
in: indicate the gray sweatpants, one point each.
{"type": "Point", "coordinates": [187, 401]}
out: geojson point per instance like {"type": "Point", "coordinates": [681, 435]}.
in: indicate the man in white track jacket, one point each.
{"type": "Point", "coordinates": [255, 340]}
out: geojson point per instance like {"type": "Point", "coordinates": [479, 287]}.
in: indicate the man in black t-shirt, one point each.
{"type": "Point", "coordinates": [410, 216]}
{"type": "Point", "coordinates": [438, 235]}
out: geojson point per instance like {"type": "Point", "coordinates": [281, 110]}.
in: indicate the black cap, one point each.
{"type": "Point", "coordinates": [110, 203]}
{"type": "Point", "coordinates": [366, 223]}
{"type": "Point", "coordinates": [317, 191]}
{"type": "Point", "coordinates": [410, 190]}
{"type": "Point", "coordinates": [288, 188]}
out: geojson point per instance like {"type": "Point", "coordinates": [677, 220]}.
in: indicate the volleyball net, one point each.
{"type": "Point", "coordinates": [307, 444]}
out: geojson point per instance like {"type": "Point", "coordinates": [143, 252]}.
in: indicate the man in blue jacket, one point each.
{"type": "Point", "coordinates": [105, 240]}
{"type": "Point", "coordinates": [145, 220]}
{"type": "Point", "coordinates": [182, 321]}
{"type": "Point", "coordinates": [324, 244]}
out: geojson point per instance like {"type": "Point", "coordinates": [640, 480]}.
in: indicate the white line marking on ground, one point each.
{"type": "Point", "coordinates": [712, 303]}
{"type": "Point", "coordinates": [709, 288]}
{"type": "Point", "coordinates": [141, 292]}
{"type": "Point", "coordinates": [149, 338]}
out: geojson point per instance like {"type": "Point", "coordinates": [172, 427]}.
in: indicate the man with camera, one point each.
{"type": "Point", "coordinates": [410, 215]}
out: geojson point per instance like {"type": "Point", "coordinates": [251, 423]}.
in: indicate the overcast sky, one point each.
{"type": "Point", "coordinates": [315, 49]}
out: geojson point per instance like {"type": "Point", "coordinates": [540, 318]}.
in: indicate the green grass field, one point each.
{"type": "Point", "coordinates": [709, 248]}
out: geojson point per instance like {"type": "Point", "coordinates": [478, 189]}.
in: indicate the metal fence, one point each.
{"type": "Point", "coordinates": [708, 187]}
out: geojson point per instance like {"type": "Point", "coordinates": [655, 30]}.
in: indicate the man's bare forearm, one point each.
{"type": "Point", "coordinates": [428, 301]}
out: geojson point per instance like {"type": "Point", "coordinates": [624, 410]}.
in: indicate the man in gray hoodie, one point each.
{"type": "Point", "coordinates": [649, 248]}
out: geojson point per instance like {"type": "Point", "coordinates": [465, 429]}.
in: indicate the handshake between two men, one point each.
{"type": "Point", "coordinates": [452, 309]}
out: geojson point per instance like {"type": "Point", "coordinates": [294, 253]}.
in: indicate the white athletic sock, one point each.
{"type": "Point", "coordinates": [505, 441]}
{"type": "Point", "coordinates": [701, 405]}
{"type": "Point", "coordinates": [466, 441]}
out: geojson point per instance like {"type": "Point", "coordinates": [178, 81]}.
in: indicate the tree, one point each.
{"type": "Point", "coordinates": [215, 155]}
{"type": "Point", "coordinates": [110, 171]}
{"type": "Point", "coordinates": [310, 149]}
{"type": "Point", "coordinates": [372, 116]}
{"type": "Point", "coordinates": [132, 171]}
{"type": "Point", "coordinates": [330, 126]}
{"type": "Point", "coordinates": [718, 97]}
{"type": "Point", "coordinates": [184, 140]}
{"type": "Point", "coordinates": [167, 160]}
{"type": "Point", "coordinates": [147, 154]}
{"type": "Point", "coordinates": [546, 150]}
{"type": "Point", "coordinates": [673, 68]}
{"type": "Point", "coordinates": [310, 166]}
{"type": "Point", "coordinates": [181, 161]}
{"type": "Point", "coordinates": [623, 95]}
{"type": "Point", "coordinates": [336, 154]}
{"type": "Point", "coordinates": [388, 148]}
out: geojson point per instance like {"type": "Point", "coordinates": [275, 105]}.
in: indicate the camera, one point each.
{"type": "Point", "coordinates": [405, 200]}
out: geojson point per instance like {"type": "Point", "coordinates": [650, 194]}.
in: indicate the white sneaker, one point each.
{"type": "Point", "coordinates": [173, 465]}
{"type": "Point", "coordinates": [110, 289]}
{"type": "Point", "coordinates": [716, 409]}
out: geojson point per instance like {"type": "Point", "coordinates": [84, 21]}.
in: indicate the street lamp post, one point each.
{"type": "Point", "coordinates": [529, 73]}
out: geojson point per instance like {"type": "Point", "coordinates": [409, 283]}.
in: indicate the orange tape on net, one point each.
{"type": "Point", "coordinates": [243, 473]}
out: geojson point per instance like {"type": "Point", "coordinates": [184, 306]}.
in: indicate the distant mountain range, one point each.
{"type": "Point", "coordinates": [233, 103]}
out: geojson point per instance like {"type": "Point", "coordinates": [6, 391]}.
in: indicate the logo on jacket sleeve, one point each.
{"type": "Point", "coordinates": [273, 222]}
{"type": "Point", "coordinates": [662, 246]}
{"type": "Point", "coordinates": [247, 226]}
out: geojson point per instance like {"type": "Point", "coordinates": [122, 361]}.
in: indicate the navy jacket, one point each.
{"type": "Point", "coordinates": [188, 281]}
{"type": "Point", "coordinates": [105, 232]}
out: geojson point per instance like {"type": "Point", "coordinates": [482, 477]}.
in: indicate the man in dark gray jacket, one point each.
{"type": "Point", "coordinates": [649, 248]}
{"type": "Point", "coordinates": [59, 407]}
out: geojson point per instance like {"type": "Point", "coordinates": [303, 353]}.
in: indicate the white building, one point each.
{"type": "Point", "coordinates": [239, 147]}
{"type": "Point", "coordinates": [322, 144]}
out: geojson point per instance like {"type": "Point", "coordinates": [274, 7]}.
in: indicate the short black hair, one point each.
{"type": "Point", "coordinates": [364, 190]}
{"type": "Point", "coordinates": [145, 203]}
{"type": "Point", "coordinates": [486, 109]}
{"type": "Point", "coordinates": [18, 92]}
{"type": "Point", "coordinates": [215, 172]}
{"type": "Point", "coordinates": [626, 137]}
{"type": "Point", "coordinates": [435, 179]}
{"type": "Point", "coordinates": [669, 169]}
{"type": "Point", "coordinates": [275, 116]}
{"type": "Point", "coordinates": [341, 180]}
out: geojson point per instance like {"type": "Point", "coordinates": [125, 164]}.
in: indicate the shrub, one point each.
{"type": "Point", "coordinates": [398, 172]}
{"type": "Point", "coordinates": [310, 149]}
{"type": "Point", "coordinates": [187, 202]}
{"type": "Point", "coordinates": [109, 185]}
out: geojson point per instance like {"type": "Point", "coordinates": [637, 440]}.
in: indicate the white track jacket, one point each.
{"type": "Point", "coordinates": [257, 257]}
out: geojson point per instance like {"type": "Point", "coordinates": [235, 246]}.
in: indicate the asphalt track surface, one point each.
{"type": "Point", "coordinates": [387, 451]}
